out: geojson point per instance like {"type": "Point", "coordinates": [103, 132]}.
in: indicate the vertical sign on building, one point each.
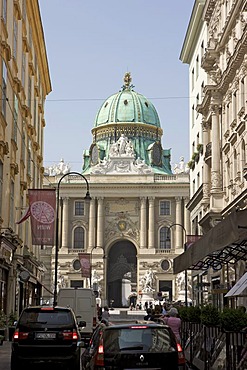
{"type": "Point", "coordinates": [85, 264]}
{"type": "Point", "coordinates": [42, 203]}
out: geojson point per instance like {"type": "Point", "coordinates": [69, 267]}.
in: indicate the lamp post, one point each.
{"type": "Point", "coordinates": [87, 197]}
{"type": "Point", "coordinates": [185, 271]}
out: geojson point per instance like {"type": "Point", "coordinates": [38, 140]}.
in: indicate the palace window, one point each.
{"type": "Point", "coordinates": [79, 208]}
{"type": "Point", "coordinates": [165, 238]}
{"type": "Point", "coordinates": [165, 208]}
{"type": "Point", "coordinates": [78, 238]}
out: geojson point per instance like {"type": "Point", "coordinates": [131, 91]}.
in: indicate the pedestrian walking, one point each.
{"type": "Point", "coordinates": [105, 314]}
{"type": "Point", "coordinates": [149, 315]}
{"type": "Point", "coordinates": [174, 322]}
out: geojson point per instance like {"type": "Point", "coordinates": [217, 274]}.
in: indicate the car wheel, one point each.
{"type": "Point", "coordinates": [14, 365]}
{"type": "Point", "coordinates": [74, 365]}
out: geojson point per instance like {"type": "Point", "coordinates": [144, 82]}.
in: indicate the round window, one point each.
{"type": "Point", "coordinates": [76, 265]}
{"type": "Point", "coordinates": [165, 265]}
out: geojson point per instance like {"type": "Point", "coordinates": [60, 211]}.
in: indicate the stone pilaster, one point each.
{"type": "Point", "coordinates": [100, 223]}
{"type": "Point", "coordinates": [65, 228]}
{"type": "Point", "coordinates": [143, 223]}
{"type": "Point", "coordinates": [179, 230]}
{"type": "Point", "coordinates": [150, 222]}
{"type": "Point", "coordinates": [91, 230]}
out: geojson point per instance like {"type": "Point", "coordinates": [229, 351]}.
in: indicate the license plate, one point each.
{"type": "Point", "coordinates": [45, 335]}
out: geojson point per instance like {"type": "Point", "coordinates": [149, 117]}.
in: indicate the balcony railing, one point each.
{"type": "Point", "coordinates": [164, 251]}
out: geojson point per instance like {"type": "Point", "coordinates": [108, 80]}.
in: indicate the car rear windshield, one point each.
{"type": "Point", "coordinates": [146, 339]}
{"type": "Point", "coordinates": [45, 317]}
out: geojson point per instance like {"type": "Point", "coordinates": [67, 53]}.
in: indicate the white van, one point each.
{"type": "Point", "coordinates": [83, 303]}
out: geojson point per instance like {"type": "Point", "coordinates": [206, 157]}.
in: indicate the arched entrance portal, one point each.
{"type": "Point", "coordinates": [121, 272]}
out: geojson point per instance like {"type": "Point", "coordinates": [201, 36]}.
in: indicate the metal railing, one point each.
{"type": "Point", "coordinates": [209, 348]}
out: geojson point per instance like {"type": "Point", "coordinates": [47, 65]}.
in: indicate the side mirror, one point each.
{"type": "Point", "coordinates": [82, 324]}
{"type": "Point", "coordinates": [81, 344]}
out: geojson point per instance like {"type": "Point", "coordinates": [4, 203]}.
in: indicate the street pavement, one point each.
{"type": "Point", "coordinates": [5, 352]}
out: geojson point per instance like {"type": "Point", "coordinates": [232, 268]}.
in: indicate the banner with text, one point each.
{"type": "Point", "coordinates": [85, 264]}
{"type": "Point", "coordinates": [42, 210]}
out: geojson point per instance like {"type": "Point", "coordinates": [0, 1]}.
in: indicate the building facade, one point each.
{"type": "Point", "coordinates": [136, 222]}
{"type": "Point", "coordinates": [25, 83]}
{"type": "Point", "coordinates": [220, 202]}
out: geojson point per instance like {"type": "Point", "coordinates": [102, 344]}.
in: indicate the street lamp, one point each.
{"type": "Point", "coordinates": [185, 271]}
{"type": "Point", "coordinates": [87, 197]}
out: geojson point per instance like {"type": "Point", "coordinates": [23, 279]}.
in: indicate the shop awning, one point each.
{"type": "Point", "coordinates": [224, 243]}
{"type": "Point", "coordinates": [239, 289]}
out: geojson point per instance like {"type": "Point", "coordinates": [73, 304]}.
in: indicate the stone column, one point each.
{"type": "Point", "coordinates": [179, 229]}
{"type": "Point", "coordinates": [151, 222]}
{"type": "Point", "coordinates": [206, 173]}
{"type": "Point", "coordinates": [215, 171]}
{"type": "Point", "coordinates": [91, 228]}
{"type": "Point", "coordinates": [100, 223]}
{"type": "Point", "coordinates": [65, 228]}
{"type": "Point", "coordinates": [143, 223]}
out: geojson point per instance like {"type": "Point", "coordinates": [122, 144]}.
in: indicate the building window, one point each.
{"type": "Point", "coordinates": [197, 66]}
{"type": "Point", "coordinates": [24, 10]}
{"type": "Point", "coordinates": [4, 11]}
{"type": "Point", "coordinates": [79, 208]}
{"type": "Point", "coordinates": [1, 186]}
{"type": "Point", "coordinates": [29, 92]}
{"type": "Point", "coordinates": [79, 238]}
{"type": "Point", "coordinates": [165, 208]}
{"type": "Point", "coordinates": [23, 148]}
{"type": "Point", "coordinates": [12, 203]}
{"type": "Point", "coordinates": [35, 114]}
{"type": "Point", "coordinates": [202, 49]}
{"type": "Point", "coordinates": [193, 79]}
{"type": "Point", "coordinates": [193, 115]}
{"type": "Point", "coordinates": [242, 93]}
{"type": "Point", "coordinates": [76, 265]}
{"type": "Point", "coordinates": [4, 89]}
{"type": "Point", "coordinates": [165, 238]}
{"type": "Point", "coordinates": [202, 89]}
{"type": "Point", "coordinates": [15, 118]}
{"type": "Point", "coordinates": [23, 69]}
{"type": "Point", "coordinates": [15, 36]}
{"type": "Point", "coordinates": [76, 283]}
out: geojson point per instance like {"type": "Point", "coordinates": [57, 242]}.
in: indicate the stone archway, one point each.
{"type": "Point", "coordinates": [121, 272]}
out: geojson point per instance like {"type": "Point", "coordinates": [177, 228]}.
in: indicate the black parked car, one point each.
{"type": "Point", "coordinates": [132, 346]}
{"type": "Point", "coordinates": [46, 335]}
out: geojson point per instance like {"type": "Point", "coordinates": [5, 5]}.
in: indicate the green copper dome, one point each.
{"type": "Point", "coordinates": [127, 106]}
{"type": "Point", "coordinates": [127, 136]}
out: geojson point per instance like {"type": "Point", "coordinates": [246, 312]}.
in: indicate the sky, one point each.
{"type": "Point", "coordinates": [90, 45]}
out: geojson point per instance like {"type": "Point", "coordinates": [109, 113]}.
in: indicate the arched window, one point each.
{"type": "Point", "coordinates": [78, 238]}
{"type": "Point", "coordinates": [165, 238]}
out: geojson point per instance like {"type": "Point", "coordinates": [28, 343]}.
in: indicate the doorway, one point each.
{"type": "Point", "coordinates": [121, 273]}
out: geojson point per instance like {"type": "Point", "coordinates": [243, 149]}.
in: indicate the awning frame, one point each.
{"type": "Point", "coordinates": [225, 243]}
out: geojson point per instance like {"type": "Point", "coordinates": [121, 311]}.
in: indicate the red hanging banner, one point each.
{"type": "Point", "coordinates": [42, 203]}
{"type": "Point", "coordinates": [85, 264]}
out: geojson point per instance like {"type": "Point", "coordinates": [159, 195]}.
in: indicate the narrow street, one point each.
{"type": "Point", "coordinates": [5, 351]}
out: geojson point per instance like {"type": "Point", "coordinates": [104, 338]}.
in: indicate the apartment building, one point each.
{"type": "Point", "coordinates": [215, 44]}
{"type": "Point", "coordinates": [25, 83]}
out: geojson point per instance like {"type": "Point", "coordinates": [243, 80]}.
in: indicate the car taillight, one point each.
{"type": "Point", "coordinates": [20, 335]}
{"type": "Point", "coordinates": [70, 335]}
{"type": "Point", "coordinates": [100, 355]}
{"type": "Point", "coordinates": [181, 357]}
{"type": "Point", "coordinates": [179, 347]}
